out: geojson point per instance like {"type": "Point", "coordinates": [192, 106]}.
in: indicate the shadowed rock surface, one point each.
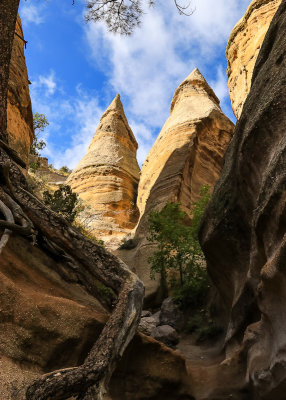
{"type": "Point", "coordinates": [243, 47]}
{"type": "Point", "coordinates": [106, 179]}
{"type": "Point", "coordinates": [19, 107]}
{"type": "Point", "coordinates": [48, 322]}
{"type": "Point", "coordinates": [243, 234]}
{"type": "Point", "coordinates": [186, 155]}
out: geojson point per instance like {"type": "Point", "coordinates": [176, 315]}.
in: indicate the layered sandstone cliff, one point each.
{"type": "Point", "coordinates": [186, 155]}
{"type": "Point", "coordinates": [243, 235]}
{"type": "Point", "coordinates": [106, 179]}
{"type": "Point", "coordinates": [19, 108]}
{"type": "Point", "coordinates": [243, 47]}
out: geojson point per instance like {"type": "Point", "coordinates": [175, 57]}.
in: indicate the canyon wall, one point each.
{"type": "Point", "coordinates": [19, 108]}
{"type": "Point", "coordinates": [243, 234]}
{"type": "Point", "coordinates": [243, 47]}
{"type": "Point", "coordinates": [187, 154]}
{"type": "Point", "coordinates": [50, 321]}
{"type": "Point", "coordinates": [106, 179]}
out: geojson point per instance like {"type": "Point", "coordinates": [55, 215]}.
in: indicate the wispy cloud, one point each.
{"type": "Point", "coordinates": [79, 114]}
{"type": "Point", "coordinates": [31, 13]}
{"type": "Point", "coordinates": [147, 67]}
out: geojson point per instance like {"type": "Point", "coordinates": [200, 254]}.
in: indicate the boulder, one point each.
{"type": "Point", "coordinates": [166, 334]}
{"type": "Point", "coordinates": [146, 313]}
{"type": "Point", "coordinates": [147, 324]}
{"type": "Point", "coordinates": [106, 178]}
{"type": "Point", "coordinates": [171, 314]}
{"type": "Point", "coordinates": [243, 47]}
{"type": "Point", "coordinates": [187, 154]}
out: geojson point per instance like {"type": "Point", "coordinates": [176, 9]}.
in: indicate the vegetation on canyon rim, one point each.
{"type": "Point", "coordinates": [180, 261]}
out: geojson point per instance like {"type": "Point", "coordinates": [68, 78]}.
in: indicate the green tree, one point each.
{"type": "Point", "coordinates": [179, 258]}
{"type": "Point", "coordinates": [40, 122]}
{"type": "Point", "coordinates": [65, 170]}
{"type": "Point", "coordinates": [63, 201]}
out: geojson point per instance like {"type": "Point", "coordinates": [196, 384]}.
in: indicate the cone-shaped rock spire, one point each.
{"type": "Point", "coordinates": [186, 155]}
{"type": "Point", "coordinates": [106, 178]}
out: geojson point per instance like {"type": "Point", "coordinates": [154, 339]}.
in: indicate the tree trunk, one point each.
{"type": "Point", "coordinates": [85, 261]}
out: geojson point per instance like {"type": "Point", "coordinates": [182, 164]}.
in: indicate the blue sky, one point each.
{"type": "Point", "coordinates": [76, 68]}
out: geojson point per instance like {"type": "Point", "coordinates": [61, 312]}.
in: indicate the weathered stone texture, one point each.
{"type": "Point", "coordinates": [243, 47]}
{"type": "Point", "coordinates": [19, 108]}
{"type": "Point", "coordinates": [106, 179]}
{"type": "Point", "coordinates": [48, 323]}
{"type": "Point", "coordinates": [186, 155]}
{"type": "Point", "coordinates": [243, 235]}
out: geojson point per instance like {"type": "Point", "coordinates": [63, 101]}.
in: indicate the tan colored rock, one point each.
{"type": "Point", "coordinates": [186, 155]}
{"type": "Point", "coordinates": [243, 47]}
{"type": "Point", "coordinates": [48, 323]}
{"type": "Point", "coordinates": [19, 108]}
{"type": "Point", "coordinates": [243, 231]}
{"type": "Point", "coordinates": [106, 179]}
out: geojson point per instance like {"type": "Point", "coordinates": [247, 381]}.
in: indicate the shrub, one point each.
{"type": "Point", "coordinates": [62, 201]}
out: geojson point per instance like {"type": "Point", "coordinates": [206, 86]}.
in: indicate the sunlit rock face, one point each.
{"type": "Point", "coordinates": [19, 108]}
{"type": "Point", "coordinates": [106, 179]}
{"type": "Point", "coordinates": [243, 47]}
{"type": "Point", "coordinates": [243, 235]}
{"type": "Point", "coordinates": [186, 155]}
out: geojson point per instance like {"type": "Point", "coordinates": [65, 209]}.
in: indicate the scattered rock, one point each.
{"type": "Point", "coordinates": [146, 325]}
{"type": "Point", "coordinates": [166, 334]}
{"type": "Point", "coordinates": [145, 314]}
{"type": "Point", "coordinates": [171, 314]}
{"type": "Point", "coordinates": [156, 316]}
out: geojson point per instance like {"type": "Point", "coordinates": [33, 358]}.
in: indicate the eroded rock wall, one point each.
{"type": "Point", "coordinates": [243, 47]}
{"type": "Point", "coordinates": [106, 179]}
{"type": "Point", "coordinates": [243, 235]}
{"type": "Point", "coordinates": [19, 108]}
{"type": "Point", "coordinates": [186, 155]}
{"type": "Point", "coordinates": [48, 322]}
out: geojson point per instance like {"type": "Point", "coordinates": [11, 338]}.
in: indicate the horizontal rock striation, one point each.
{"type": "Point", "coordinates": [19, 108]}
{"type": "Point", "coordinates": [243, 47]}
{"type": "Point", "coordinates": [187, 154]}
{"type": "Point", "coordinates": [106, 179]}
{"type": "Point", "coordinates": [243, 234]}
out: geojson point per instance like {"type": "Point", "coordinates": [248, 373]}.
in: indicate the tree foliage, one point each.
{"type": "Point", "coordinates": [179, 258]}
{"type": "Point", "coordinates": [122, 16]}
{"type": "Point", "coordinates": [40, 122]}
{"type": "Point", "coordinates": [62, 201]}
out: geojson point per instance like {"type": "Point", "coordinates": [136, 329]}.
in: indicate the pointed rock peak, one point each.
{"type": "Point", "coordinates": [195, 75]}
{"type": "Point", "coordinates": [116, 110]}
{"type": "Point", "coordinates": [116, 104]}
{"type": "Point", "coordinates": [197, 80]}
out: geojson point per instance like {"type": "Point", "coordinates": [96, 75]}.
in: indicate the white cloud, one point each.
{"type": "Point", "coordinates": [46, 83]}
{"type": "Point", "coordinates": [31, 13]}
{"type": "Point", "coordinates": [79, 114]}
{"type": "Point", "coordinates": [147, 67]}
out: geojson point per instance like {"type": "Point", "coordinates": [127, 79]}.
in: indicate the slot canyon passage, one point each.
{"type": "Point", "coordinates": [81, 317]}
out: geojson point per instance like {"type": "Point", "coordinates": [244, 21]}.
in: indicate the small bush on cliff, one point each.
{"type": "Point", "coordinates": [62, 201]}
{"type": "Point", "coordinates": [40, 122]}
{"type": "Point", "coordinates": [179, 258]}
